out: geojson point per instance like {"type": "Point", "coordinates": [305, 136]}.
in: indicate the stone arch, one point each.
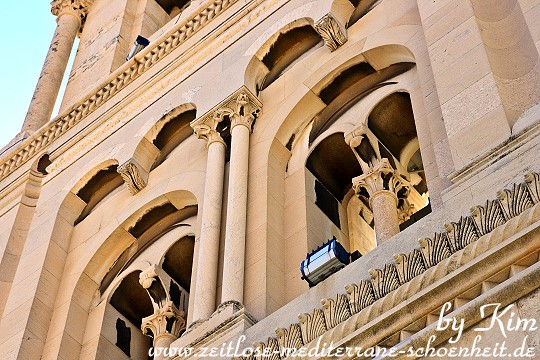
{"type": "Point", "coordinates": [279, 51]}
{"type": "Point", "coordinates": [86, 309]}
{"type": "Point", "coordinates": [292, 143]}
{"type": "Point", "coordinates": [157, 141]}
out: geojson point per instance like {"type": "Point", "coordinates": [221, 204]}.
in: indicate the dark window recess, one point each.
{"type": "Point", "coordinates": [327, 203]}
{"type": "Point", "coordinates": [174, 291]}
{"type": "Point", "coordinates": [415, 217]}
{"type": "Point", "coordinates": [123, 336]}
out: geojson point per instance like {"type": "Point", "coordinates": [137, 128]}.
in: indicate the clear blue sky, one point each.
{"type": "Point", "coordinates": [27, 29]}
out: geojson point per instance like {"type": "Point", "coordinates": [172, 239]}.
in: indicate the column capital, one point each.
{"type": "Point", "coordinates": [206, 128]}
{"type": "Point", "coordinates": [381, 177]}
{"type": "Point", "coordinates": [167, 321]}
{"type": "Point", "coordinates": [79, 8]}
{"type": "Point", "coordinates": [240, 108]}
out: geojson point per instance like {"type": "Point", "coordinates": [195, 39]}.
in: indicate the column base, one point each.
{"type": "Point", "coordinates": [227, 323]}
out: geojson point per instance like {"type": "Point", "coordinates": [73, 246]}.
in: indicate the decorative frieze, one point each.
{"type": "Point", "coordinates": [435, 249]}
{"type": "Point", "coordinates": [514, 201]}
{"type": "Point", "coordinates": [409, 265]}
{"type": "Point", "coordinates": [312, 325]}
{"type": "Point", "coordinates": [488, 217]}
{"type": "Point", "coordinates": [461, 234]}
{"type": "Point", "coordinates": [333, 34]}
{"type": "Point", "coordinates": [290, 338]}
{"type": "Point", "coordinates": [533, 183]}
{"type": "Point", "coordinates": [335, 311]}
{"type": "Point", "coordinates": [384, 280]}
{"type": "Point", "coordinates": [360, 295]}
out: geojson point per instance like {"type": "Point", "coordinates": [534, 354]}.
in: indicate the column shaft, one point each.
{"type": "Point", "coordinates": [384, 206]}
{"type": "Point", "coordinates": [235, 238]}
{"type": "Point", "coordinates": [48, 86]}
{"type": "Point", "coordinates": [207, 262]}
{"type": "Point", "coordinates": [162, 342]}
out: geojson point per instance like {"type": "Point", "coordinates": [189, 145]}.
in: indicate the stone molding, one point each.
{"type": "Point", "coordinates": [333, 34]}
{"type": "Point", "coordinates": [241, 108]}
{"type": "Point", "coordinates": [121, 78]}
{"type": "Point", "coordinates": [132, 176]}
{"type": "Point", "coordinates": [466, 241]}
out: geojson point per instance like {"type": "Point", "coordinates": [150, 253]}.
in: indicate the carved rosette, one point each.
{"type": "Point", "coordinates": [381, 177]}
{"type": "Point", "coordinates": [131, 174]}
{"type": "Point", "coordinates": [166, 321]}
{"type": "Point", "coordinates": [79, 8]}
{"type": "Point", "coordinates": [332, 33]}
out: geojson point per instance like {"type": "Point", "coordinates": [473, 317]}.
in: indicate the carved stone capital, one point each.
{"type": "Point", "coordinates": [133, 177]}
{"type": "Point", "coordinates": [208, 130]}
{"type": "Point", "coordinates": [381, 177]}
{"type": "Point", "coordinates": [240, 108]}
{"type": "Point", "coordinates": [166, 321]}
{"type": "Point", "coordinates": [79, 8]}
{"type": "Point", "coordinates": [333, 34]}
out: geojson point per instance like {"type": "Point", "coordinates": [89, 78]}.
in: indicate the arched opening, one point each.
{"type": "Point", "coordinates": [174, 130]}
{"type": "Point", "coordinates": [154, 223]}
{"type": "Point", "coordinates": [101, 185]}
{"type": "Point", "coordinates": [279, 53]}
{"type": "Point", "coordinates": [178, 261]}
{"type": "Point", "coordinates": [128, 305]}
{"type": "Point", "coordinates": [361, 8]}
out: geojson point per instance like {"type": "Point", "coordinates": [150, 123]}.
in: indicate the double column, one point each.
{"type": "Point", "coordinates": [237, 113]}
{"type": "Point", "coordinates": [70, 18]}
{"type": "Point", "coordinates": [380, 182]}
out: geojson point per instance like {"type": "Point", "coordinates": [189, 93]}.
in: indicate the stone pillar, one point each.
{"type": "Point", "coordinates": [512, 54]}
{"type": "Point", "coordinates": [383, 186]}
{"type": "Point", "coordinates": [70, 18]}
{"type": "Point", "coordinates": [243, 112]}
{"type": "Point", "coordinates": [167, 321]}
{"type": "Point", "coordinates": [379, 181]}
{"type": "Point", "coordinates": [207, 262]}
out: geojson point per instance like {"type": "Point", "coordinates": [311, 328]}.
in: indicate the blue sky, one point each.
{"type": "Point", "coordinates": [27, 29]}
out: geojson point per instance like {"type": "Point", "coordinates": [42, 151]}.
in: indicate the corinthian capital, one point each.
{"type": "Point", "coordinates": [206, 128]}
{"type": "Point", "coordinates": [381, 177]}
{"type": "Point", "coordinates": [166, 321]}
{"type": "Point", "coordinates": [79, 8]}
{"type": "Point", "coordinates": [240, 108]}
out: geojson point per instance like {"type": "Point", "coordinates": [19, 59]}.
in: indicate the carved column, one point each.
{"type": "Point", "coordinates": [384, 186]}
{"type": "Point", "coordinates": [167, 321]}
{"type": "Point", "coordinates": [70, 18]}
{"type": "Point", "coordinates": [242, 111]}
{"type": "Point", "coordinates": [207, 261]}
